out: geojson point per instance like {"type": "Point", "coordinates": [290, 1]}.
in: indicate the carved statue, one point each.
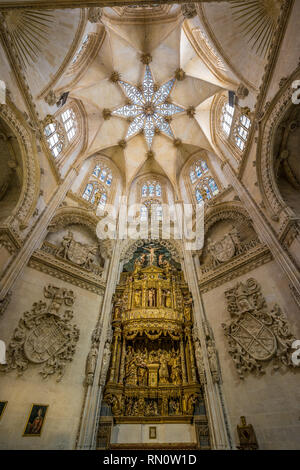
{"type": "Point", "coordinates": [151, 255]}
{"type": "Point", "coordinates": [163, 370]}
{"type": "Point", "coordinates": [213, 361]}
{"type": "Point", "coordinates": [66, 241]}
{"type": "Point", "coordinates": [137, 298]}
{"type": "Point", "coordinates": [151, 297]}
{"type": "Point", "coordinates": [246, 435]}
{"type": "Point", "coordinates": [175, 369]}
{"type": "Point", "coordinates": [91, 364]}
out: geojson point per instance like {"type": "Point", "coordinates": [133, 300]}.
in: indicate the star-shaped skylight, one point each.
{"type": "Point", "coordinates": [148, 108]}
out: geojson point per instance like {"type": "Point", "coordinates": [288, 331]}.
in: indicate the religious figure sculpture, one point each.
{"type": "Point", "coordinates": [91, 364]}
{"type": "Point", "coordinates": [137, 298]}
{"type": "Point", "coordinates": [151, 255]}
{"type": "Point", "coordinates": [66, 241]}
{"type": "Point", "coordinates": [163, 370]}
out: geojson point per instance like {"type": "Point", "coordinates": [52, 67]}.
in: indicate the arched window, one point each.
{"type": "Point", "coordinates": [70, 124]}
{"type": "Point", "coordinates": [151, 189]}
{"type": "Point", "coordinates": [227, 118]}
{"type": "Point", "coordinates": [98, 185]}
{"type": "Point", "coordinates": [103, 174]}
{"type": "Point", "coordinates": [242, 131]}
{"type": "Point", "coordinates": [235, 125]}
{"type": "Point", "coordinates": [95, 194]}
{"type": "Point", "coordinates": [198, 170]}
{"type": "Point", "coordinates": [54, 138]}
{"type": "Point", "coordinates": [206, 188]}
{"type": "Point", "coordinates": [202, 182]}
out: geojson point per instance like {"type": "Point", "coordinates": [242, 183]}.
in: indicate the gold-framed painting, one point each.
{"type": "Point", "coordinates": [152, 432]}
{"type": "Point", "coordinates": [36, 420]}
{"type": "Point", "coordinates": [2, 407]}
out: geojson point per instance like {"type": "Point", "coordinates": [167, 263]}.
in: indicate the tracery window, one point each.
{"type": "Point", "coordinates": [151, 188]}
{"type": "Point", "coordinates": [198, 170]}
{"type": "Point", "coordinates": [242, 131]}
{"type": "Point", "coordinates": [227, 118]}
{"type": "Point", "coordinates": [81, 48]}
{"type": "Point", "coordinates": [54, 138]}
{"type": "Point", "coordinates": [202, 182]}
{"type": "Point", "coordinates": [70, 124]}
{"type": "Point", "coordinates": [103, 174]}
{"type": "Point", "coordinates": [95, 194]}
{"type": "Point", "coordinates": [98, 186]}
{"type": "Point", "coordinates": [235, 125]}
{"type": "Point", "coordinates": [206, 188]}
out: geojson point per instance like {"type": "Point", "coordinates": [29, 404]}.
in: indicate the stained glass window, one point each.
{"type": "Point", "coordinates": [204, 185]}
{"type": "Point", "coordinates": [199, 169]}
{"type": "Point", "coordinates": [151, 189]}
{"type": "Point", "coordinates": [96, 190]}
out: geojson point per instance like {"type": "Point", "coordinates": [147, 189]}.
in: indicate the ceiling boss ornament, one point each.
{"type": "Point", "coordinates": [148, 107]}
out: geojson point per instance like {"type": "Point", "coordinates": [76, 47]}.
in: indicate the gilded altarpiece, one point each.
{"type": "Point", "coordinates": [153, 375]}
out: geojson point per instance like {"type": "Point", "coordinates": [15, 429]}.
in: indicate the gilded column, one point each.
{"type": "Point", "coordinates": [123, 357]}
{"type": "Point", "coordinates": [117, 334]}
{"type": "Point", "coordinates": [183, 366]}
{"type": "Point", "coordinates": [191, 353]}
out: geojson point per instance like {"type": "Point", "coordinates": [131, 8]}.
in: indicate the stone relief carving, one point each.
{"type": "Point", "coordinates": [94, 14]}
{"type": "Point", "coordinates": [78, 253]}
{"type": "Point", "coordinates": [188, 10]}
{"type": "Point", "coordinates": [45, 335]}
{"type": "Point", "coordinates": [211, 353]}
{"type": "Point", "coordinates": [226, 248]}
{"type": "Point", "coordinates": [256, 335]}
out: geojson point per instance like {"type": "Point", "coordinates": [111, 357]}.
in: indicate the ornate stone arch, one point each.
{"type": "Point", "coordinates": [27, 202]}
{"type": "Point", "coordinates": [275, 112]}
{"type": "Point", "coordinates": [78, 216]}
{"type": "Point", "coordinates": [223, 211]}
{"type": "Point", "coordinates": [184, 176]}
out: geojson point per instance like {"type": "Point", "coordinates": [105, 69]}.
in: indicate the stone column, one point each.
{"type": "Point", "coordinates": [36, 236]}
{"type": "Point", "coordinates": [192, 358]}
{"type": "Point", "coordinates": [92, 404]}
{"type": "Point", "coordinates": [264, 230]}
{"type": "Point", "coordinates": [216, 413]}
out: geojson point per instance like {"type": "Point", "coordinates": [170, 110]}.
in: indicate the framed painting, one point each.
{"type": "Point", "coordinates": [2, 407]}
{"type": "Point", "coordinates": [36, 420]}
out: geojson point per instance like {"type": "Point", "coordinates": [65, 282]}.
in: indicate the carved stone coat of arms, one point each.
{"type": "Point", "coordinates": [256, 335]}
{"type": "Point", "coordinates": [45, 335]}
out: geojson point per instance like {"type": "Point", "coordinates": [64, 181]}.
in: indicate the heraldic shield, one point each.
{"type": "Point", "coordinates": [225, 249]}
{"type": "Point", "coordinates": [254, 337]}
{"type": "Point", "coordinates": [44, 341]}
{"type": "Point", "coordinates": [77, 252]}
